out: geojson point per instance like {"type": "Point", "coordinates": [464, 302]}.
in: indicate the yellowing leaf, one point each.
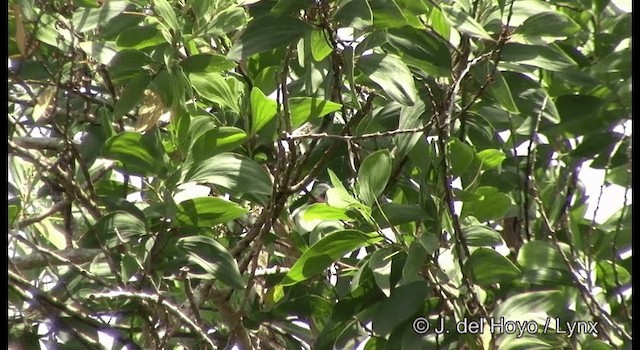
{"type": "Point", "coordinates": [44, 100]}
{"type": "Point", "coordinates": [150, 112]}
{"type": "Point", "coordinates": [21, 34]}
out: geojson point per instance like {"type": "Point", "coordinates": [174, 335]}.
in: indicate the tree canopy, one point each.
{"type": "Point", "coordinates": [328, 174]}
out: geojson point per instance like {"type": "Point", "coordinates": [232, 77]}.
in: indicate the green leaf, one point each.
{"type": "Point", "coordinates": [463, 22]}
{"type": "Point", "coordinates": [327, 251]}
{"type": "Point", "coordinates": [131, 95]}
{"type": "Point", "coordinates": [48, 32]}
{"type": "Point", "coordinates": [128, 63]}
{"type": "Point", "coordinates": [354, 13]}
{"type": "Point", "coordinates": [498, 86]}
{"type": "Point", "coordinates": [199, 125]}
{"type": "Point", "coordinates": [530, 98]}
{"type": "Point", "coordinates": [140, 37]}
{"type": "Point", "coordinates": [373, 176]}
{"type": "Point", "coordinates": [113, 229]}
{"type": "Point", "coordinates": [88, 19]}
{"type": "Point", "coordinates": [207, 212]}
{"type": "Point", "coordinates": [321, 211]}
{"type": "Point", "coordinates": [491, 158]}
{"type": "Point", "coordinates": [128, 267]}
{"type": "Point", "coordinates": [320, 47]}
{"type": "Point", "coordinates": [216, 141]}
{"type": "Point", "coordinates": [232, 171]}
{"type": "Point", "coordinates": [533, 306]}
{"type": "Point", "coordinates": [540, 254]}
{"type": "Point", "coordinates": [263, 109]}
{"type": "Point", "coordinates": [303, 109]}
{"type": "Point", "coordinates": [620, 176]}
{"type": "Point", "coordinates": [547, 24]}
{"type": "Point", "coordinates": [391, 74]}
{"type": "Point", "coordinates": [138, 153]}
{"type": "Point", "coordinates": [492, 205]}
{"type": "Point", "coordinates": [206, 63]}
{"type": "Point", "coordinates": [289, 6]}
{"type": "Point", "coordinates": [615, 62]}
{"type": "Point", "coordinates": [481, 236]}
{"type": "Point", "coordinates": [414, 7]}
{"type": "Point", "coordinates": [595, 144]}
{"type": "Point", "coordinates": [404, 302]}
{"type": "Point", "coordinates": [596, 344]}
{"type": "Point", "coordinates": [267, 80]}
{"type": "Point", "coordinates": [214, 258]}
{"type": "Point", "coordinates": [338, 197]}
{"type": "Point", "coordinates": [548, 57]}
{"type": "Point", "coordinates": [412, 270]}
{"type": "Point", "coordinates": [439, 23]}
{"type": "Point", "coordinates": [397, 214]}
{"type": "Point", "coordinates": [487, 267]}
{"type": "Point", "coordinates": [547, 276]}
{"type": "Point", "coordinates": [164, 10]}
{"type": "Point", "coordinates": [515, 342]}
{"type": "Point", "coordinates": [380, 264]}
{"type": "Point", "coordinates": [13, 213]}
{"type": "Point", "coordinates": [101, 51]}
{"type": "Point", "coordinates": [460, 156]}
{"type": "Point", "coordinates": [226, 21]}
{"type": "Point", "coordinates": [215, 88]}
{"type": "Point", "coordinates": [387, 14]}
{"type": "Point", "coordinates": [410, 117]}
{"type": "Point", "coordinates": [421, 49]}
{"type": "Point", "coordinates": [266, 33]}
{"type": "Point", "coordinates": [581, 114]}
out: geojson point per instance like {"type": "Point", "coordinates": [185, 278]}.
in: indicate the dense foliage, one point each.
{"type": "Point", "coordinates": [317, 174]}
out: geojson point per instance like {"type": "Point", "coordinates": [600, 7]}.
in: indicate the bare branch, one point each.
{"type": "Point", "coordinates": [347, 138]}
{"type": "Point", "coordinates": [173, 309]}
{"type": "Point", "coordinates": [60, 257]}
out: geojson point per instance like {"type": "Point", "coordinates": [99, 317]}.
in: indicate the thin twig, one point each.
{"type": "Point", "coordinates": [594, 307]}
{"type": "Point", "coordinates": [39, 217]}
{"type": "Point", "coordinates": [348, 138]}
{"type": "Point", "coordinates": [184, 272]}
{"type": "Point", "coordinates": [61, 175]}
{"type": "Point", "coordinates": [173, 309]}
{"type": "Point", "coordinates": [529, 173]}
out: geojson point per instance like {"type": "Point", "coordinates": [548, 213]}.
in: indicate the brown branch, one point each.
{"type": "Point", "coordinates": [461, 244]}
{"type": "Point", "coordinates": [60, 257]}
{"type": "Point", "coordinates": [184, 272]}
{"type": "Point", "coordinates": [37, 218]}
{"type": "Point", "coordinates": [69, 184]}
{"type": "Point", "coordinates": [614, 259]}
{"type": "Point", "coordinates": [332, 149]}
{"type": "Point", "coordinates": [49, 143]}
{"type": "Point", "coordinates": [529, 169]}
{"type": "Point", "coordinates": [30, 294]}
{"type": "Point", "coordinates": [597, 311]}
{"type": "Point", "coordinates": [347, 138]}
{"type": "Point", "coordinates": [232, 320]}
{"type": "Point", "coordinates": [158, 299]}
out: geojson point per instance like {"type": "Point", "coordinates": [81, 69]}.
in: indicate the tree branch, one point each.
{"type": "Point", "coordinates": [158, 299]}
{"type": "Point", "coordinates": [60, 257]}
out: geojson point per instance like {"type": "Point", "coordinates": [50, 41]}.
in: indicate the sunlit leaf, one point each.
{"type": "Point", "coordinates": [325, 252]}
{"type": "Point", "coordinates": [266, 33]}
{"type": "Point", "coordinates": [391, 74]}
{"type": "Point", "coordinates": [214, 258]}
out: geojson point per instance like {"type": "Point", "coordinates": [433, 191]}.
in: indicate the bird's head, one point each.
{"type": "Point", "coordinates": [319, 193]}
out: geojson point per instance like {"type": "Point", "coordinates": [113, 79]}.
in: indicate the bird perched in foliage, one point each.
{"type": "Point", "coordinates": [318, 193]}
